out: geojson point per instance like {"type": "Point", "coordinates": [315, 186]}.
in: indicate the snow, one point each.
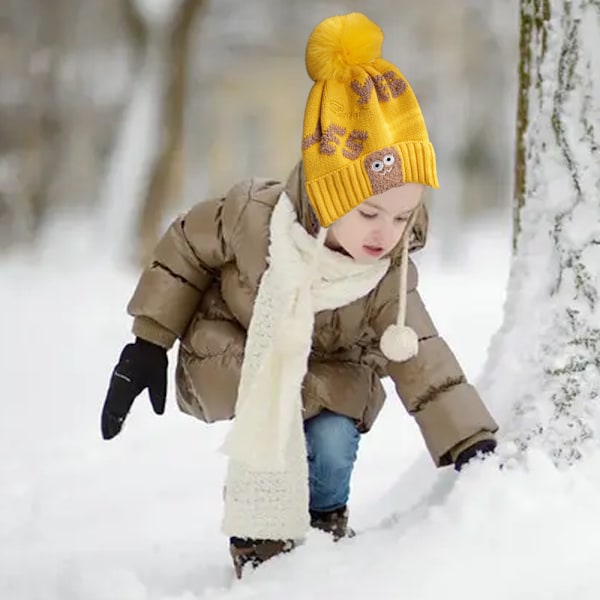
{"type": "Point", "coordinates": [157, 13]}
{"type": "Point", "coordinates": [139, 517]}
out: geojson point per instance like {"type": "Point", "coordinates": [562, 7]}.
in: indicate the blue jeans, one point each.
{"type": "Point", "coordinates": [332, 445]}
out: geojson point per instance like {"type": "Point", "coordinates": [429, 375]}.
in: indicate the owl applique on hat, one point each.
{"type": "Point", "coordinates": [384, 170]}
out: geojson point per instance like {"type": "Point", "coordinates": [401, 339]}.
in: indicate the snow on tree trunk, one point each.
{"type": "Point", "coordinates": [542, 379]}
{"type": "Point", "coordinates": [144, 173]}
{"type": "Point", "coordinates": [166, 182]}
{"type": "Point", "coordinates": [130, 164]}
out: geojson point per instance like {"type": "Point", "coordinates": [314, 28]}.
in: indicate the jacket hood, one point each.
{"type": "Point", "coordinates": [296, 190]}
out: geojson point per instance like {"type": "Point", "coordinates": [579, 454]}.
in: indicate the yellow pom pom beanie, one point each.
{"type": "Point", "coordinates": [364, 132]}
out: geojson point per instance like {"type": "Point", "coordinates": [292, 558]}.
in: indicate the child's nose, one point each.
{"type": "Point", "coordinates": [385, 231]}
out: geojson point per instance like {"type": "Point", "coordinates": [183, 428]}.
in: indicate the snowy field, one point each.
{"type": "Point", "coordinates": [138, 518]}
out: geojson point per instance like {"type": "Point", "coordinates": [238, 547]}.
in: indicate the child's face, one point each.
{"type": "Point", "coordinates": [373, 229]}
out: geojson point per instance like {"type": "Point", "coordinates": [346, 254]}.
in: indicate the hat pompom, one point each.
{"type": "Point", "coordinates": [339, 43]}
{"type": "Point", "coordinates": [399, 343]}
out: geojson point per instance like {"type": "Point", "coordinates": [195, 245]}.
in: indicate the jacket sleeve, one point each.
{"type": "Point", "coordinates": [433, 386]}
{"type": "Point", "coordinates": [184, 263]}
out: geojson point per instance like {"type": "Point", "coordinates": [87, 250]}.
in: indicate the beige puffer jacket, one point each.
{"type": "Point", "coordinates": [200, 288]}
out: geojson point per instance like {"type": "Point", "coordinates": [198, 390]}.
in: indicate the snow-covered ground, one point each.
{"type": "Point", "coordinates": [138, 518]}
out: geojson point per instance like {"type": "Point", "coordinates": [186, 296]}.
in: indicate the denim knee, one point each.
{"type": "Point", "coordinates": [332, 445]}
{"type": "Point", "coordinates": [333, 437]}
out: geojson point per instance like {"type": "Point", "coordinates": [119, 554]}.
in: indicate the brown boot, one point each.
{"type": "Point", "coordinates": [334, 522]}
{"type": "Point", "coordinates": [255, 552]}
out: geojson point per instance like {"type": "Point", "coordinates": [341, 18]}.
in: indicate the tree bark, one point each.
{"type": "Point", "coordinates": [534, 14]}
{"type": "Point", "coordinates": [166, 177]}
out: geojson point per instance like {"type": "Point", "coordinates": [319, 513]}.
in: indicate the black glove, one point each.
{"type": "Point", "coordinates": [477, 449]}
{"type": "Point", "coordinates": [141, 365]}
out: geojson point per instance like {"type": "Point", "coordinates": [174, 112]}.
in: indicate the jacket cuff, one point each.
{"type": "Point", "coordinates": [452, 417]}
{"type": "Point", "coordinates": [471, 441]}
{"type": "Point", "coordinates": [151, 331]}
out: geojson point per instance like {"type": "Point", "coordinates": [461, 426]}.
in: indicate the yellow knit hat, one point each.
{"type": "Point", "coordinates": [364, 132]}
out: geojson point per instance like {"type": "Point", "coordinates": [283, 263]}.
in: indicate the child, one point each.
{"type": "Point", "coordinates": [292, 300]}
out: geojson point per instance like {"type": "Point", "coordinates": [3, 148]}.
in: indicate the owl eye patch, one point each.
{"type": "Point", "coordinates": [378, 165]}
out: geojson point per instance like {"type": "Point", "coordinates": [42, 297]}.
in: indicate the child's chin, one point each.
{"type": "Point", "coordinates": [366, 258]}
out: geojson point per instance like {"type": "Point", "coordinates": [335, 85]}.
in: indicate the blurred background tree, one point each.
{"type": "Point", "coordinates": [128, 111]}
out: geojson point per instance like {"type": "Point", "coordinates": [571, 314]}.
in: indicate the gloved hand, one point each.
{"type": "Point", "coordinates": [480, 448]}
{"type": "Point", "coordinates": [141, 365]}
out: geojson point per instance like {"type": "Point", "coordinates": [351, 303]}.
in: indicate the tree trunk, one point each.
{"type": "Point", "coordinates": [166, 177]}
{"type": "Point", "coordinates": [543, 374]}
{"type": "Point", "coordinates": [30, 135]}
{"type": "Point", "coordinates": [534, 15]}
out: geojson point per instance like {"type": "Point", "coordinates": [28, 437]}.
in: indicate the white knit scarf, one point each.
{"type": "Point", "coordinates": [267, 491]}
